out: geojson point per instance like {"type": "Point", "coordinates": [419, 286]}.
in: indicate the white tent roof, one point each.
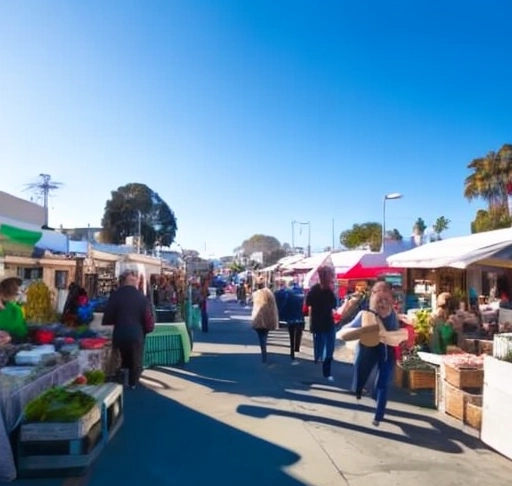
{"type": "Point", "coordinates": [343, 261]}
{"type": "Point", "coordinates": [311, 277]}
{"type": "Point", "coordinates": [309, 263]}
{"type": "Point", "coordinates": [284, 263]}
{"type": "Point", "coordinates": [454, 252]}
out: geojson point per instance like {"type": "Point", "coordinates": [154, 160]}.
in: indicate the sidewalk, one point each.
{"type": "Point", "coordinates": [225, 418]}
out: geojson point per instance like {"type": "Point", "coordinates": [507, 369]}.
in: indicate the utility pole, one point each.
{"type": "Point", "coordinates": [139, 232]}
{"type": "Point", "coordinates": [332, 247]}
{"type": "Point", "coordinates": [42, 189]}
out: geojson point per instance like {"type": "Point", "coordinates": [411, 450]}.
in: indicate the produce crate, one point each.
{"type": "Point", "coordinates": [421, 379]}
{"type": "Point", "coordinates": [457, 400]}
{"type": "Point", "coordinates": [68, 449]}
{"type": "Point", "coordinates": [470, 346]}
{"type": "Point", "coordinates": [464, 378]}
{"type": "Point", "coordinates": [163, 349]}
{"type": "Point", "coordinates": [399, 377]}
{"type": "Point", "coordinates": [415, 379]}
{"type": "Point", "coordinates": [485, 347]}
{"type": "Point", "coordinates": [473, 416]}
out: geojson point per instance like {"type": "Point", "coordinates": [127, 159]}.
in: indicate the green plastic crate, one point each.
{"type": "Point", "coordinates": [162, 349]}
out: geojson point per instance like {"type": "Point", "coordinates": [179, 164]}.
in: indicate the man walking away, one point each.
{"type": "Point", "coordinates": [129, 311]}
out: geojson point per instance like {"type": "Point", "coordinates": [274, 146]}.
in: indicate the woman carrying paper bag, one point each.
{"type": "Point", "coordinates": [377, 330]}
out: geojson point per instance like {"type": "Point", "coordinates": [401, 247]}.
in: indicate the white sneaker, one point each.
{"type": "Point", "coordinates": [330, 378]}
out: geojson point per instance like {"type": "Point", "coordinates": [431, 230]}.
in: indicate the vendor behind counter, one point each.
{"type": "Point", "coordinates": [12, 320]}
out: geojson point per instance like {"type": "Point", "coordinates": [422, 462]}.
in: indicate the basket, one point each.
{"type": "Point", "coordinates": [464, 378]}
{"type": "Point", "coordinates": [456, 401]}
{"type": "Point", "coordinates": [421, 379]}
{"type": "Point", "coordinates": [473, 416]}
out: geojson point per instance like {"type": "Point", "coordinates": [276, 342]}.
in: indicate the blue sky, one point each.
{"type": "Point", "coordinates": [246, 115]}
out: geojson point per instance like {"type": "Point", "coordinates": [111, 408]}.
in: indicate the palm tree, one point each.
{"type": "Point", "coordinates": [441, 224]}
{"type": "Point", "coordinates": [418, 230]}
{"type": "Point", "coordinates": [491, 180]}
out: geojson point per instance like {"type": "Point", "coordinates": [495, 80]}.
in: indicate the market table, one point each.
{"type": "Point", "coordinates": [13, 400]}
{"type": "Point", "coordinates": [167, 345]}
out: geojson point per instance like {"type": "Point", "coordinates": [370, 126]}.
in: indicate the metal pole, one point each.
{"type": "Point", "coordinates": [382, 246]}
{"type": "Point", "coordinates": [309, 238]}
{"type": "Point", "coordinates": [293, 237]}
{"type": "Point", "coordinates": [332, 248]}
{"type": "Point", "coordinates": [139, 232]}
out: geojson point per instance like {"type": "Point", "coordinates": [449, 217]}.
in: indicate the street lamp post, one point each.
{"type": "Point", "coordinates": [139, 231]}
{"type": "Point", "coordinates": [302, 223]}
{"type": "Point", "coordinates": [393, 195]}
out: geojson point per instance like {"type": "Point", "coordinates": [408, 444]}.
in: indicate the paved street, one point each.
{"type": "Point", "coordinates": [225, 418]}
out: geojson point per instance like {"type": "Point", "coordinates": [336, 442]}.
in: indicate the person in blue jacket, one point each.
{"type": "Point", "coordinates": [380, 356]}
{"type": "Point", "coordinates": [290, 307]}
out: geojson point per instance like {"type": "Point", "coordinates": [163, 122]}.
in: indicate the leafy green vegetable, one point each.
{"type": "Point", "coordinates": [59, 405]}
{"type": "Point", "coordinates": [95, 377]}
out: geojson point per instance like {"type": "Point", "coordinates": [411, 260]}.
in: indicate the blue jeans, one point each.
{"type": "Point", "coordinates": [383, 357]}
{"type": "Point", "coordinates": [262, 338]}
{"type": "Point", "coordinates": [371, 383]}
{"type": "Point", "coordinates": [324, 349]}
{"type": "Point", "coordinates": [204, 320]}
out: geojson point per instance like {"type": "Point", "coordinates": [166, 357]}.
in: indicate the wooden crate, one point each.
{"type": "Point", "coordinates": [399, 376]}
{"type": "Point", "coordinates": [60, 431]}
{"type": "Point", "coordinates": [485, 347]}
{"type": "Point", "coordinates": [421, 379]}
{"type": "Point", "coordinates": [464, 378]}
{"type": "Point", "coordinates": [55, 455]}
{"type": "Point", "coordinates": [456, 401]}
{"type": "Point", "coordinates": [473, 415]}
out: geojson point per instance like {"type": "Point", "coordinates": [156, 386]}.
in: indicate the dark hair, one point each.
{"type": "Point", "coordinates": [9, 287]}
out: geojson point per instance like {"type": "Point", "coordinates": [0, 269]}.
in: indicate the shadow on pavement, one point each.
{"type": "Point", "coordinates": [168, 444]}
{"type": "Point", "coordinates": [164, 443]}
{"type": "Point", "coordinates": [442, 439]}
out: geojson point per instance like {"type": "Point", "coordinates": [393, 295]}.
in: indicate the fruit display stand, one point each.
{"type": "Point", "coordinates": [461, 385]}
{"type": "Point", "coordinates": [59, 448]}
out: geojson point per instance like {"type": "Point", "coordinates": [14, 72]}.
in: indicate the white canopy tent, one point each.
{"type": "Point", "coordinates": [459, 252]}
{"type": "Point", "coordinates": [320, 260]}
{"type": "Point", "coordinates": [343, 261]}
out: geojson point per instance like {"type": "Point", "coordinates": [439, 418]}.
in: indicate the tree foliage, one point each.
{"type": "Point", "coordinates": [362, 235]}
{"type": "Point", "coordinates": [419, 227]}
{"type": "Point", "coordinates": [441, 225]}
{"type": "Point", "coordinates": [121, 217]}
{"type": "Point", "coordinates": [490, 179]}
{"type": "Point", "coordinates": [269, 246]}
{"type": "Point", "coordinates": [492, 219]}
{"type": "Point", "coordinates": [260, 243]}
{"type": "Point", "coordinates": [394, 234]}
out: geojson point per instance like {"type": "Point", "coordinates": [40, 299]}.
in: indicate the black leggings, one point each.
{"type": "Point", "coordinates": [295, 332]}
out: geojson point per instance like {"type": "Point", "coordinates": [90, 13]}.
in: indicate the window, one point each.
{"type": "Point", "coordinates": [61, 279]}
{"type": "Point", "coordinates": [31, 273]}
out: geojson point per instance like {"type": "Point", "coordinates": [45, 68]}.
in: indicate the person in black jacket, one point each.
{"type": "Point", "coordinates": [129, 311]}
{"type": "Point", "coordinates": [321, 302]}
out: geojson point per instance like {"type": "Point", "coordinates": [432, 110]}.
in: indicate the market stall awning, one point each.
{"type": "Point", "coordinates": [27, 235]}
{"type": "Point", "coordinates": [457, 252]}
{"type": "Point", "coordinates": [311, 278]}
{"type": "Point", "coordinates": [20, 236]}
{"type": "Point", "coordinates": [343, 261]}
